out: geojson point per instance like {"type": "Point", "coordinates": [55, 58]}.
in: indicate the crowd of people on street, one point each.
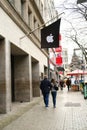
{"type": "Point", "coordinates": [52, 86]}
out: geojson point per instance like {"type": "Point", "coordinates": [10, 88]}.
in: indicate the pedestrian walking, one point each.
{"type": "Point", "coordinates": [68, 83]}
{"type": "Point", "coordinates": [61, 83]}
{"type": "Point", "coordinates": [45, 87]}
{"type": "Point", "coordinates": [54, 89]}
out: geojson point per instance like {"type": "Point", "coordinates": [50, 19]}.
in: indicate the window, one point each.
{"type": "Point", "coordinates": [35, 23]}
{"type": "Point", "coordinates": [41, 9]}
{"type": "Point", "coordinates": [29, 18]}
{"type": "Point", "coordinates": [12, 2]}
{"type": "Point", "coordinates": [22, 7]}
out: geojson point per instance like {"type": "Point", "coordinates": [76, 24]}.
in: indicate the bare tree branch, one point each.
{"type": "Point", "coordinates": [77, 33]}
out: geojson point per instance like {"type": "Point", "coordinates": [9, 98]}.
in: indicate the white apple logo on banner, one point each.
{"type": "Point", "coordinates": [49, 38]}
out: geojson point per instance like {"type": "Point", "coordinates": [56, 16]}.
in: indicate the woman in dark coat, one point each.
{"type": "Point", "coordinates": [54, 92]}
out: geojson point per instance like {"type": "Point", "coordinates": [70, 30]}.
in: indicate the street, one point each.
{"type": "Point", "coordinates": [70, 114]}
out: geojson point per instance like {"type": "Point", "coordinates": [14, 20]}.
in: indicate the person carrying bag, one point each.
{"type": "Point", "coordinates": [54, 90]}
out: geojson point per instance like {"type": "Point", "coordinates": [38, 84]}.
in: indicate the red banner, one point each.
{"type": "Point", "coordinates": [59, 49]}
{"type": "Point", "coordinates": [59, 60]}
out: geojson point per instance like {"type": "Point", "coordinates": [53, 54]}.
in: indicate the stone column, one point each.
{"type": "Point", "coordinates": [35, 79]}
{"type": "Point", "coordinates": [30, 77]}
{"type": "Point", "coordinates": [8, 75]}
{"type": "Point", "coordinates": [5, 77]}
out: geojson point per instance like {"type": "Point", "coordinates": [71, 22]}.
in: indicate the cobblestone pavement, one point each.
{"type": "Point", "coordinates": [70, 114]}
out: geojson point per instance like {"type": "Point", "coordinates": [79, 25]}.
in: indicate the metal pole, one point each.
{"type": "Point", "coordinates": [29, 33]}
{"type": "Point", "coordinates": [48, 65]}
{"type": "Point", "coordinates": [83, 67]}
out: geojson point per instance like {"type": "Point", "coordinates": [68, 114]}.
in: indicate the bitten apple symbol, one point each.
{"type": "Point", "coordinates": [49, 38]}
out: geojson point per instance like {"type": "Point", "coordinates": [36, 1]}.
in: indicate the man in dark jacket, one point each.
{"type": "Point", "coordinates": [68, 83]}
{"type": "Point", "coordinates": [45, 87]}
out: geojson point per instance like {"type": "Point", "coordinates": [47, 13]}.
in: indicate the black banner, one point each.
{"type": "Point", "coordinates": [50, 35]}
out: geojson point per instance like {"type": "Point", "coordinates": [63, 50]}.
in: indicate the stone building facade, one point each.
{"type": "Point", "coordinates": [22, 61]}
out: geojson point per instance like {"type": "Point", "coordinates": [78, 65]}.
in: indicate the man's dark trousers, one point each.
{"type": "Point", "coordinates": [46, 99]}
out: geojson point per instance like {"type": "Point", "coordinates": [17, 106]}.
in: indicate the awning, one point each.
{"type": "Point", "coordinates": [77, 72]}
{"type": "Point", "coordinates": [60, 69]}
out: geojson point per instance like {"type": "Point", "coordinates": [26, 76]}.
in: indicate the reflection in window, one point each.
{"type": "Point", "coordinates": [12, 2]}
{"type": "Point", "coordinates": [29, 17]}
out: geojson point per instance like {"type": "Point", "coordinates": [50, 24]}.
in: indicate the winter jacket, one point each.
{"type": "Point", "coordinates": [45, 86]}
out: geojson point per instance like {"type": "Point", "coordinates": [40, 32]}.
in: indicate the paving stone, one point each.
{"type": "Point", "coordinates": [70, 114]}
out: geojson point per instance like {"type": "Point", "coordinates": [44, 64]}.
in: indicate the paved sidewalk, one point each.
{"type": "Point", "coordinates": [70, 114]}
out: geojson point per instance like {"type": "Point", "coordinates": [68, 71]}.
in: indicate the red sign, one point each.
{"type": "Point", "coordinates": [59, 60]}
{"type": "Point", "coordinates": [59, 49]}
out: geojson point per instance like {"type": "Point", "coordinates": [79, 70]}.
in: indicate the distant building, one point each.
{"type": "Point", "coordinates": [76, 62]}
{"type": "Point", "coordinates": [65, 58]}
{"type": "Point", "coordinates": [65, 64]}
